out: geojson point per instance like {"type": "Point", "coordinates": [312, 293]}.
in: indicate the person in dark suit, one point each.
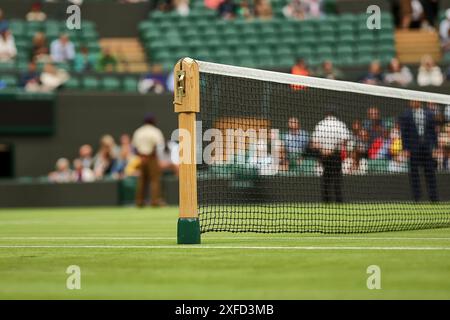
{"type": "Point", "coordinates": [419, 138]}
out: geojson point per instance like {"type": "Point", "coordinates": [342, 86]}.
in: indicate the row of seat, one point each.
{"type": "Point", "coordinates": [344, 39]}
{"type": "Point", "coordinates": [86, 82]}
{"type": "Point", "coordinates": [308, 167]}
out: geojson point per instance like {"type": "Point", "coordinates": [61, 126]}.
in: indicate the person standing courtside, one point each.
{"type": "Point", "coordinates": [329, 137]}
{"type": "Point", "coordinates": [145, 140]}
{"type": "Point", "coordinates": [419, 138]}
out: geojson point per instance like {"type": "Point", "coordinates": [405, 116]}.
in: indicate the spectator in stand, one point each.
{"type": "Point", "coordinates": [212, 4]}
{"type": "Point", "coordinates": [227, 9]}
{"type": "Point", "coordinates": [300, 68]}
{"type": "Point", "coordinates": [444, 31]}
{"type": "Point", "coordinates": [430, 11]}
{"type": "Point", "coordinates": [36, 13]}
{"type": "Point", "coordinates": [154, 81]}
{"type": "Point", "coordinates": [447, 114]}
{"type": "Point", "coordinates": [105, 157]}
{"type": "Point", "coordinates": [62, 49]}
{"type": "Point", "coordinates": [120, 164]}
{"type": "Point", "coordinates": [373, 124]}
{"type": "Point", "coordinates": [168, 157]}
{"type": "Point", "coordinates": [81, 173]}
{"type": "Point", "coordinates": [3, 22]}
{"type": "Point", "coordinates": [379, 148]}
{"type": "Point", "coordinates": [53, 78]}
{"type": "Point", "coordinates": [30, 80]}
{"type": "Point", "coordinates": [354, 164]}
{"type": "Point", "coordinates": [399, 163]}
{"type": "Point", "coordinates": [442, 153]}
{"type": "Point", "coordinates": [328, 71]}
{"type": "Point", "coordinates": [303, 9]}
{"type": "Point", "coordinates": [294, 10]}
{"type": "Point", "coordinates": [375, 74]}
{"type": "Point", "coordinates": [359, 139]}
{"type": "Point", "coordinates": [295, 141]}
{"type": "Point", "coordinates": [182, 7]}
{"type": "Point", "coordinates": [106, 62]}
{"type": "Point", "coordinates": [39, 48]}
{"type": "Point", "coordinates": [85, 156]}
{"type": "Point", "coordinates": [263, 9]}
{"type": "Point", "coordinates": [397, 74]}
{"type": "Point", "coordinates": [429, 73]}
{"type": "Point", "coordinates": [62, 173]}
{"type": "Point", "coordinates": [84, 61]}
{"type": "Point", "coordinates": [8, 50]}
{"type": "Point", "coordinates": [244, 11]}
{"type": "Point", "coordinates": [412, 14]}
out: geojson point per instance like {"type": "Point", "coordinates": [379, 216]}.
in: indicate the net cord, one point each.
{"type": "Point", "coordinates": [336, 85]}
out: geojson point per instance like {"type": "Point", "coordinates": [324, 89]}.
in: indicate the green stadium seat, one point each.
{"type": "Point", "coordinates": [268, 30]}
{"type": "Point", "coordinates": [364, 58]}
{"type": "Point", "coordinates": [243, 53]}
{"type": "Point", "coordinates": [110, 83]}
{"type": "Point", "coordinates": [9, 80]}
{"type": "Point", "coordinates": [326, 28]}
{"type": "Point", "coordinates": [248, 62]}
{"type": "Point", "coordinates": [263, 53]}
{"type": "Point", "coordinates": [304, 52]}
{"type": "Point", "coordinates": [130, 84]}
{"type": "Point", "coordinates": [72, 84]}
{"type": "Point", "coordinates": [308, 167]}
{"type": "Point", "coordinates": [202, 54]}
{"type": "Point", "coordinates": [362, 49]}
{"type": "Point", "coordinates": [283, 50]}
{"type": "Point", "coordinates": [327, 39]}
{"type": "Point", "coordinates": [223, 53]}
{"type": "Point", "coordinates": [347, 39]}
{"type": "Point", "coordinates": [345, 28]}
{"type": "Point", "coordinates": [232, 43]}
{"type": "Point", "coordinates": [344, 50]}
{"type": "Point", "coordinates": [378, 166]}
{"type": "Point", "coordinates": [7, 66]}
{"type": "Point", "coordinates": [347, 18]}
{"type": "Point", "coordinates": [250, 41]}
{"type": "Point", "coordinates": [17, 27]}
{"type": "Point", "coordinates": [367, 36]}
{"type": "Point", "coordinates": [90, 83]}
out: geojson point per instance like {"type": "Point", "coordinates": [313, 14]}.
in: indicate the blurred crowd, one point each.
{"type": "Point", "coordinates": [111, 161]}
{"type": "Point", "coordinates": [249, 9]}
{"type": "Point", "coordinates": [46, 71]}
{"type": "Point", "coordinates": [373, 139]}
{"type": "Point", "coordinates": [396, 74]}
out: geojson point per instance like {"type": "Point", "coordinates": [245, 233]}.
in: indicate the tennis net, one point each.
{"type": "Point", "coordinates": [282, 153]}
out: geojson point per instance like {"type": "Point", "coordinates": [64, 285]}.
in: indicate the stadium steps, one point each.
{"type": "Point", "coordinates": [411, 45]}
{"type": "Point", "coordinates": [130, 54]}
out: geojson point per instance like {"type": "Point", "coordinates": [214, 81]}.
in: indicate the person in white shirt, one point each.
{"type": "Point", "coordinates": [444, 31]}
{"type": "Point", "coordinates": [328, 138]}
{"type": "Point", "coordinates": [8, 50]}
{"type": "Point", "coordinates": [52, 78]}
{"type": "Point", "coordinates": [146, 140]}
{"type": "Point", "coordinates": [429, 73]}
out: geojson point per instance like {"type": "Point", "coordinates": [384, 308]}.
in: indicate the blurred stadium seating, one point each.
{"type": "Point", "coordinates": [276, 43]}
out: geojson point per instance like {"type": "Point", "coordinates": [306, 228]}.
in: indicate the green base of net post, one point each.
{"type": "Point", "coordinates": [188, 231]}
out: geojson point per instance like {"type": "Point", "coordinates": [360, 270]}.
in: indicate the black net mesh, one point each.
{"type": "Point", "coordinates": [331, 161]}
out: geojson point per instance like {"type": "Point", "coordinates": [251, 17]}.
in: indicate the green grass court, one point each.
{"type": "Point", "coordinates": [127, 253]}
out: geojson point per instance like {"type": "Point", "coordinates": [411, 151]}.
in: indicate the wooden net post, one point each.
{"type": "Point", "coordinates": [187, 105]}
